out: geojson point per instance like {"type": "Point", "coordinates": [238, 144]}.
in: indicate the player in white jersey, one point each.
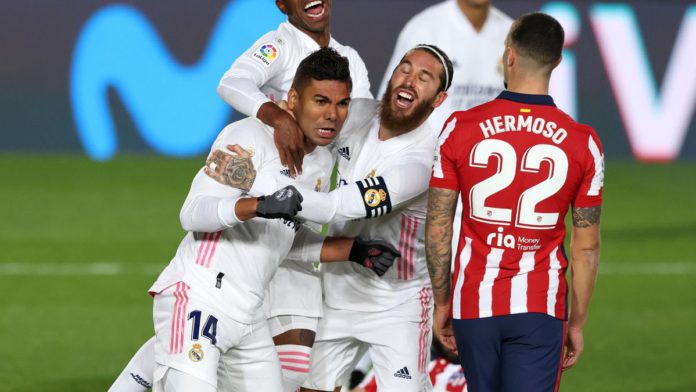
{"type": "Point", "coordinates": [222, 267]}
{"type": "Point", "coordinates": [263, 74]}
{"type": "Point", "coordinates": [386, 157]}
{"type": "Point", "coordinates": [472, 33]}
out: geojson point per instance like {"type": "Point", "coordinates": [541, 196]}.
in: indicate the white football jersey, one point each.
{"type": "Point", "coordinates": [381, 195]}
{"type": "Point", "coordinates": [476, 56]}
{"type": "Point", "coordinates": [232, 262]}
{"type": "Point", "coordinates": [265, 71]}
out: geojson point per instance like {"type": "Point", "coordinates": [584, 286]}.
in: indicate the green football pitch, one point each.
{"type": "Point", "coordinates": [82, 241]}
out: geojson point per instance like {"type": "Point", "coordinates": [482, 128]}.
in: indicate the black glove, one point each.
{"type": "Point", "coordinates": [375, 255]}
{"type": "Point", "coordinates": [284, 203]}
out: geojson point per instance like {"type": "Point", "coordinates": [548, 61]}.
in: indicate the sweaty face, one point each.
{"type": "Point", "coordinates": [320, 109]}
{"type": "Point", "coordinates": [308, 15]}
{"type": "Point", "coordinates": [412, 92]}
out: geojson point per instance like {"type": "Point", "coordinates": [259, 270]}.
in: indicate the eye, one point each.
{"type": "Point", "coordinates": [425, 78]}
{"type": "Point", "coordinates": [320, 101]}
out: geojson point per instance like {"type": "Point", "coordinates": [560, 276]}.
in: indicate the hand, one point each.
{"type": "Point", "coordinates": [284, 204]}
{"type": "Point", "coordinates": [235, 170]}
{"type": "Point", "coordinates": [375, 255]}
{"type": "Point", "coordinates": [444, 329]}
{"type": "Point", "coordinates": [289, 140]}
{"type": "Point", "coordinates": [574, 345]}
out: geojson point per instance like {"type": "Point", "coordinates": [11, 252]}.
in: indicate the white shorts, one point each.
{"type": "Point", "coordinates": [398, 341]}
{"type": "Point", "coordinates": [206, 344]}
{"type": "Point", "coordinates": [294, 290]}
{"type": "Point", "coordinates": [281, 324]}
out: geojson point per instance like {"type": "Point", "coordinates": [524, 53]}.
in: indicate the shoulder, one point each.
{"type": "Point", "coordinates": [500, 18]}
{"type": "Point", "coordinates": [424, 21]}
{"type": "Point", "coordinates": [248, 133]}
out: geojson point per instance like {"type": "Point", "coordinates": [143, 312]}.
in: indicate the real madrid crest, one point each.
{"type": "Point", "coordinates": [374, 196]}
{"type": "Point", "coordinates": [317, 188]}
{"type": "Point", "coordinates": [196, 353]}
{"type": "Point", "coordinates": [372, 173]}
{"type": "Point", "coordinates": [250, 150]}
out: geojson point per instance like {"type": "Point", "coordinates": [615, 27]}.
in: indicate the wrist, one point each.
{"type": "Point", "coordinates": [245, 208]}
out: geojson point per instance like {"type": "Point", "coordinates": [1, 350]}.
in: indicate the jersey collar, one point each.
{"type": "Point", "coordinates": [530, 99]}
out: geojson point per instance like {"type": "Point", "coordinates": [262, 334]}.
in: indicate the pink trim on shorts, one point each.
{"type": "Point", "coordinates": [424, 330]}
{"type": "Point", "coordinates": [176, 343]}
{"type": "Point", "coordinates": [296, 369]}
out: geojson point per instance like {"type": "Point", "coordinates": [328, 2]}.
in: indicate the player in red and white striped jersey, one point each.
{"type": "Point", "coordinates": [519, 163]}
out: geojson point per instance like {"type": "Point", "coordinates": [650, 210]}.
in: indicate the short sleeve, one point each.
{"type": "Point", "coordinates": [590, 191]}
{"type": "Point", "coordinates": [445, 165]}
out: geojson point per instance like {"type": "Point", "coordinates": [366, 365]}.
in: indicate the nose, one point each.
{"type": "Point", "coordinates": [331, 113]}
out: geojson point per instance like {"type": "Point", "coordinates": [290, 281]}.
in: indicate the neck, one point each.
{"type": "Point", "coordinates": [322, 38]}
{"type": "Point", "coordinates": [476, 14]}
{"type": "Point", "coordinates": [529, 85]}
{"type": "Point", "coordinates": [309, 147]}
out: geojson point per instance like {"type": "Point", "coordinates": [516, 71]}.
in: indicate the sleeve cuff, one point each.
{"type": "Point", "coordinates": [226, 214]}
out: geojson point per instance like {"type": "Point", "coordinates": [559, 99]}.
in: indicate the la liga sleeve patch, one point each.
{"type": "Point", "coordinates": [266, 54]}
{"type": "Point", "coordinates": [375, 197]}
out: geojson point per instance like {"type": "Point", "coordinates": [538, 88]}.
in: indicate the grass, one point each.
{"type": "Point", "coordinates": [75, 333]}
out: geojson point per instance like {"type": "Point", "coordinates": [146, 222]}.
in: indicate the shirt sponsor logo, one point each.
{"type": "Point", "coordinates": [501, 240]}
{"type": "Point", "coordinates": [266, 54]}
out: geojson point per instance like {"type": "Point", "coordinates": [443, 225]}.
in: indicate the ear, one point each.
{"type": "Point", "coordinates": [511, 56]}
{"type": "Point", "coordinates": [293, 97]}
{"type": "Point", "coordinates": [281, 6]}
{"type": "Point", "coordinates": [439, 99]}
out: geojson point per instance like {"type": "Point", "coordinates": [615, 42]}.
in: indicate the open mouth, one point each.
{"type": "Point", "coordinates": [404, 99]}
{"type": "Point", "coordinates": [315, 9]}
{"type": "Point", "coordinates": [326, 132]}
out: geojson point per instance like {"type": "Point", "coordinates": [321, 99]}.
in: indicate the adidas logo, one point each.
{"type": "Point", "coordinates": [285, 172]}
{"type": "Point", "coordinates": [403, 373]}
{"type": "Point", "coordinates": [344, 152]}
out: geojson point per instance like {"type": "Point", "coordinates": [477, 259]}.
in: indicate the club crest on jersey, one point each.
{"type": "Point", "coordinates": [250, 150]}
{"type": "Point", "coordinates": [266, 54]}
{"type": "Point", "coordinates": [195, 354]}
{"type": "Point", "coordinates": [375, 196]}
{"type": "Point", "coordinates": [317, 187]}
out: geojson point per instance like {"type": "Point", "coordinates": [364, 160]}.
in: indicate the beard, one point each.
{"type": "Point", "coordinates": [397, 121]}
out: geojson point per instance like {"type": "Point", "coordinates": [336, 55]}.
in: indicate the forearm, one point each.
{"type": "Point", "coordinates": [584, 267]}
{"type": "Point", "coordinates": [584, 252]}
{"type": "Point", "coordinates": [242, 94]}
{"type": "Point", "coordinates": [336, 249]}
{"type": "Point", "coordinates": [438, 241]}
{"type": "Point", "coordinates": [205, 213]}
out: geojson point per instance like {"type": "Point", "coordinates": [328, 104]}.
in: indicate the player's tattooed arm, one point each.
{"type": "Point", "coordinates": [235, 170]}
{"type": "Point", "coordinates": [442, 205]}
{"type": "Point", "coordinates": [586, 217]}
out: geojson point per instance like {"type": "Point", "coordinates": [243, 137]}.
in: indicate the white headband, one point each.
{"type": "Point", "coordinates": [442, 60]}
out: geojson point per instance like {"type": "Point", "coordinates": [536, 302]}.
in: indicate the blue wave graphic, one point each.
{"type": "Point", "coordinates": [175, 107]}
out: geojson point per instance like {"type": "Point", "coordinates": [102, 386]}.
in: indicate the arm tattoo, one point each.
{"type": "Point", "coordinates": [442, 205]}
{"type": "Point", "coordinates": [231, 170]}
{"type": "Point", "coordinates": [239, 173]}
{"type": "Point", "coordinates": [586, 217]}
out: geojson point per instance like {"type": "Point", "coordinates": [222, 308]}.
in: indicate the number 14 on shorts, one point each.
{"type": "Point", "coordinates": [209, 329]}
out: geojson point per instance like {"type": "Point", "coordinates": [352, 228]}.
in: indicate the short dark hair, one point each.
{"type": "Point", "coordinates": [323, 64]}
{"type": "Point", "coordinates": [447, 68]}
{"type": "Point", "coordinates": [539, 37]}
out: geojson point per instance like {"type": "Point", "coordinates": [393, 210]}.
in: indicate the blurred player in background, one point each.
{"type": "Point", "coordinates": [472, 33]}
{"type": "Point", "coordinates": [263, 74]}
{"type": "Point", "coordinates": [519, 163]}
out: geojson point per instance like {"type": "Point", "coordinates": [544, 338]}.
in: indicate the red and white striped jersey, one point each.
{"type": "Point", "coordinates": [518, 163]}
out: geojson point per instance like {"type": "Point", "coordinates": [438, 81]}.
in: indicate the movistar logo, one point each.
{"type": "Point", "coordinates": [174, 107]}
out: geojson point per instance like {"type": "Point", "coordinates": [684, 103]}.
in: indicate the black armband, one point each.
{"type": "Point", "coordinates": [375, 197]}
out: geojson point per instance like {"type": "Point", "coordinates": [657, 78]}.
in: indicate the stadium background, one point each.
{"type": "Point", "coordinates": [106, 108]}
